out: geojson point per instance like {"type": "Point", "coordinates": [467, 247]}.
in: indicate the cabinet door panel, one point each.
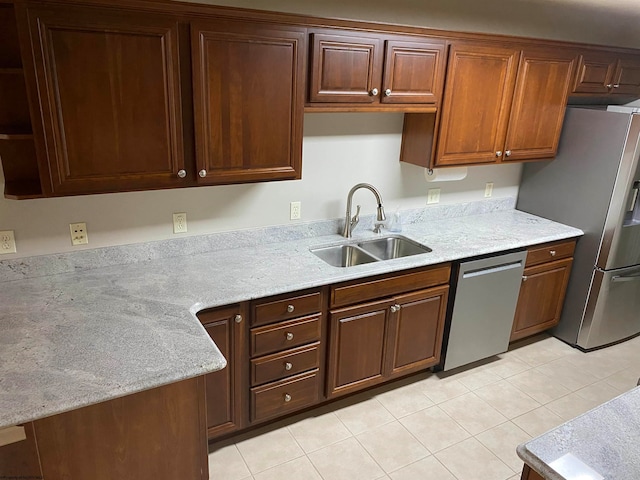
{"type": "Point", "coordinates": [594, 73]}
{"type": "Point", "coordinates": [413, 72]}
{"type": "Point", "coordinates": [539, 104]}
{"type": "Point", "coordinates": [109, 90]}
{"type": "Point", "coordinates": [344, 68]}
{"type": "Point", "coordinates": [475, 112]}
{"type": "Point", "coordinates": [627, 76]}
{"type": "Point", "coordinates": [248, 102]}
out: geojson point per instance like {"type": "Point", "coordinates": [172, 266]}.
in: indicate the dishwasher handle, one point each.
{"type": "Point", "coordinates": [492, 269]}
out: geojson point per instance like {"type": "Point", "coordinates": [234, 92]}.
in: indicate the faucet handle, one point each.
{"type": "Point", "coordinates": [356, 218]}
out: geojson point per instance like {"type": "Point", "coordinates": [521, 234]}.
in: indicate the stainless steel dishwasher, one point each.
{"type": "Point", "coordinates": [484, 306]}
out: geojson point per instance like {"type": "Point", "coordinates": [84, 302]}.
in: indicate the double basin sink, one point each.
{"type": "Point", "coordinates": [368, 251]}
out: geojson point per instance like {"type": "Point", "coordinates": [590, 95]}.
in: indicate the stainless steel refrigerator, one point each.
{"type": "Point", "coordinates": [593, 185]}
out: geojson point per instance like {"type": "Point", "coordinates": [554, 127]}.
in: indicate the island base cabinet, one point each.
{"type": "Point", "coordinates": [19, 459]}
{"type": "Point", "coordinates": [529, 474]}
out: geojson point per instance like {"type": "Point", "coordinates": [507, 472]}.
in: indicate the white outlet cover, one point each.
{"type": "Point", "coordinates": [7, 242]}
{"type": "Point", "coordinates": [180, 222]}
{"type": "Point", "coordinates": [433, 196]}
{"type": "Point", "coordinates": [295, 210]}
{"type": "Point", "coordinates": [79, 234]}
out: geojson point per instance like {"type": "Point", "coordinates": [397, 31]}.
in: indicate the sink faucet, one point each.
{"type": "Point", "coordinates": [350, 223]}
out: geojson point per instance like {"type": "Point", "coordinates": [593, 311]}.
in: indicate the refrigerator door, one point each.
{"type": "Point", "coordinates": [613, 308]}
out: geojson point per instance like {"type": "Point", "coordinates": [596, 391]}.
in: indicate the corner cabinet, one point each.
{"type": "Point", "coordinates": [110, 111]}
{"type": "Point", "coordinates": [248, 86]}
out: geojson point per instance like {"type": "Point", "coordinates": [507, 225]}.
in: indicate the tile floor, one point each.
{"type": "Point", "coordinates": [462, 425]}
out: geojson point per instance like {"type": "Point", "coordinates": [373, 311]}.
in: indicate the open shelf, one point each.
{"type": "Point", "coordinates": [9, 45]}
{"type": "Point", "coordinates": [20, 166]}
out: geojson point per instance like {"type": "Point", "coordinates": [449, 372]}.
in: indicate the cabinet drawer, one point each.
{"type": "Point", "coordinates": [287, 395]}
{"type": "Point", "coordinates": [284, 364]}
{"type": "Point", "coordinates": [361, 291]}
{"type": "Point", "coordinates": [285, 335]}
{"type": "Point", "coordinates": [550, 251]}
{"type": "Point", "coordinates": [290, 307]}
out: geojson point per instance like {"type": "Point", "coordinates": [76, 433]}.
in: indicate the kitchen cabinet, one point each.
{"type": "Point", "coordinates": [607, 73]}
{"type": "Point", "coordinates": [226, 399]}
{"type": "Point", "coordinates": [109, 99]}
{"type": "Point", "coordinates": [529, 474]}
{"type": "Point", "coordinates": [368, 68]}
{"type": "Point", "coordinates": [543, 288]}
{"type": "Point", "coordinates": [400, 332]}
{"type": "Point", "coordinates": [248, 87]}
{"type": "Point", "coordinates": [19, 459]}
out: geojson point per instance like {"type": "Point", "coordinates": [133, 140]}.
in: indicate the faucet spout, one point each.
{"type": "Point", "coordinates": [350, 223]}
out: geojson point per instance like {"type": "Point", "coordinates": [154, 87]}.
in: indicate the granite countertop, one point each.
{"type": "Point", "coordinates": [600, 444]}
{"type": "Point", "coordinates": [72, 337]}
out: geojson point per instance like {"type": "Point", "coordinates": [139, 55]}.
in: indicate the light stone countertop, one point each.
{"type": "Point", "coordinates": [605, 439]}
{"type": "Point", "coordinates": [89, 335]}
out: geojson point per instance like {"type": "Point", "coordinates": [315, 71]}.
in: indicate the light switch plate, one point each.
{"type": "Point", "coordinates": [433, 196]}
{"type": "Point", "coordinates": [488, 190]}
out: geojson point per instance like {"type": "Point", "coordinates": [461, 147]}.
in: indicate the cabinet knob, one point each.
{"type": "Point", "coordinates": [182, 173]}
{"type": "Point", "coordinates": [499, 153]}
{"type": "Point", "coordinates": [202, 173]}
{"type": "Point", "coordinates": [287, 397]}
{"type": "Point", "coordinates": [238, 318]}
{"type": "Point", "coordinates": [290, 308]}
{"type": "Point", "coordinates": [617, 85]}
{"type": "Point", "coordinates": [508, 153]}
{"type": "Point", "coordinates": [610, 85]}
{"type": "Point", "coordinates": [288, 365]}
{"type": "Point", "coordinates": [524, 278]}
{"type": "Point", "coordinates": [289, 336]}
{"type": "Point", "coordinates": [374, 92]}
{"type": "Point", "coordinates": [552, 253]}
{"type": "Point", "coordinates": [395, 308]}
{"type": "Point", "coordinates": [387, 92]}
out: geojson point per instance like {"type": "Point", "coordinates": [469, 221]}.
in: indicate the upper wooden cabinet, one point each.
{"type": "Point", "coordinates": [109, 91]}
{"type": "Point", "coordinates": [248, 90]}
{"type": "Point", "coordinates": [501, 104]}
{"type": "Point", "coordinates": [603, 73]}
{"type": "Point", "coordinates": [361, 68]}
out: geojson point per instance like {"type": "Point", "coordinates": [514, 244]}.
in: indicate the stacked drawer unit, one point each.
{"type": "Point", "coordinates": [286, 356]}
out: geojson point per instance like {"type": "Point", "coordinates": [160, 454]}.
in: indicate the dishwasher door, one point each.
{"type": "Point", "coordinates": [484, 307]}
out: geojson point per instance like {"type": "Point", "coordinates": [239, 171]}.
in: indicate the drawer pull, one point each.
{"type": "Point", "coordinates": [552, 253]}
{"type": "Point", "coordinates": [238, 318]}
{"type": "Point", "coordinates": [289, 336]}
{"type": "Point", "coordinates": [287, 397]}
{"type": "Point", "coordinates": [290, 308]}
{"type": "Point", "coordinates": [395, 308]}
{"type": "Point", "coordinates": [524, 278]}
{"type": "Point", "coordinates": [288, 365]}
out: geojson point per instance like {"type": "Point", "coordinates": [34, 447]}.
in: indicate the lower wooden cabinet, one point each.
{"type": "Point", "coordinates": [529, 474]}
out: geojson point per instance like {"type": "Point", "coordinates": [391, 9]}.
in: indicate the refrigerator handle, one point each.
{"type": "Point", "coordinates": [634, 196]}
{"type": "Point", "coordinates": [625, 278]}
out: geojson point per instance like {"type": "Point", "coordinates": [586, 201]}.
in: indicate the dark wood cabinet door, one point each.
{"type": "Point", "coordinates": [594, 73]}
{"type": "Point", "coordinates": [345, 68]}
{"type": "Point", "coordinates": [413, 72]}
{"type": "Point", "coordinates": [541, 298]}
{"type": "Point", "coordinates": [248, 101]}
{"type": "Point", "coordinates": [626, 79]}
{"type": "Point", "coordinates": [356, 347]}
{"type": "Point", "coordinates": [227, 389]}
{"type": "Point", "coordinates": [108, 86]}
{"type": "Point", "coordinates": [477, 101]}
{"type": "Point", "coordinates": [415, 331]}
{"type": "Point", "coordinates": [539, 104]}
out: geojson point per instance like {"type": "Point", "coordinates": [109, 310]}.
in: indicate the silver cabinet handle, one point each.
{"type": "Point", "coordinates": [202, 173]}
{"type": "Point", "coordinates": [374, 92]}
{"type": "Point", "coordinates": [552, 253]}
{"type": "Point", "coordinates": [395, 308]}
{"type": "Point", "coordinates": [499, 153]}
{"type": "Point", "coordinates": [610, 86]}
{"type": "Point", "coordinates": [508, 153]}
{"type": "Point", "coordinates": [238, 318]}
{"type": "Point", "coordinates": [290, 308]}
{"type": "Point", "coordinates": [524, 278]}
{"type": "Point", "coordinates": [289, 336]}
{"type": "Point", "coordinates": [288, 365]}
{"type": "Point", "coordinates": [387, 92]}
{"type": "Point", "coordinates": [287, 397]}
{"type": "Point", "coordinates": [617, 85]}
{"type": "Point", "coordinates": [182, 173]}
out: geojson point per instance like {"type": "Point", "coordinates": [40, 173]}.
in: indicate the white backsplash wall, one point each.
{"type": "Point", "coordinates": [339, 151]}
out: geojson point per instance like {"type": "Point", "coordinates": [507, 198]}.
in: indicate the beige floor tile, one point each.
{"type": "Point", "coordinates": [440, 390]}
{"type": "Point", "coordinates": [541, 388]}
{"type": "Point", "coordinates": [227, 464]}
{"type": "Point", "coordinates": [503, 440]}
{"type": "Point", "coordinates": [470, 460]}
{"type": "Point", "coordinates": [434, 428]}
{"type": "Point", "coordinates": [539, 352]}
{"type": "Point", "coordinates": [345, 460]}
{"type": "Point", "coordinates": [426, 469]}
{"type": "Point", "coordinates": [404, 401]}
{"type": "Point", "coordinates": [624, 380]}
{"type": "Point", "coordinates": [571, 406]}
{"type": "Point", "coordinates": [478, 378]}
{"type": "Point", "coordinates": [600, 392]}
{"type": "Point", "coordinates": [538, 421]}
{"type": "Point", "coordinates": [565, 373]}
{"type": "Point", "coordinates": [364, 416]}
{"type": "Point", "coordinates": [392, 446]}
{"type": "Point", "coordinates": [598, 363]}
{"type": "Point", "coordinates": [314, 433]}
{"type": "Point", "coordinates": [269, 449]}
{"type": "Point", "coordinates": [507, 366]}
{"type": "Point", "coordinates": [472, 413]}
{"type": "Point", "coordinates": [300, 468]}
{"type": "Point", "coordinates": [507, 399]}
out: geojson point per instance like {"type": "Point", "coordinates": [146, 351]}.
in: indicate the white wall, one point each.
{"type": "Point", "coordinates": [339, 151]}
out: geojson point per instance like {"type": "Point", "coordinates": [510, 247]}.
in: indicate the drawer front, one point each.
{"type": "Point", "coordinates": [285, 335]}
{"type": "Point", "coordinates": [284, 396]}
{"type": "Point", "coordinates": [286, 308]}
{"type": "Point", "coordinates": [550, 252]}
{"type": "Point", "coordinates": [284, 364]}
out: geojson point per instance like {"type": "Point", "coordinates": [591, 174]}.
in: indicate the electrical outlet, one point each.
{"type": "Point", "coordinates": [294, 210]}
{"type": "Point", "coordinates": [433, 196]}
{"type": "Point", "coordinates": [7, 242]}
{"type": "Point", "coordinates": [180, 222]}
{"type": "Point", "coordinates": [79, 235]}
{"type": "Point", "coordinates": [488, 189]}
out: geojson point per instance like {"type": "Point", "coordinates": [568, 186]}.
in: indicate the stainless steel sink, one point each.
{"type": "Point", "coordinates": [343, 255]}
{"type": "Point", "coordinates": [368, 251]}
{"type": "Point", "coordinates": [394, 246]}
